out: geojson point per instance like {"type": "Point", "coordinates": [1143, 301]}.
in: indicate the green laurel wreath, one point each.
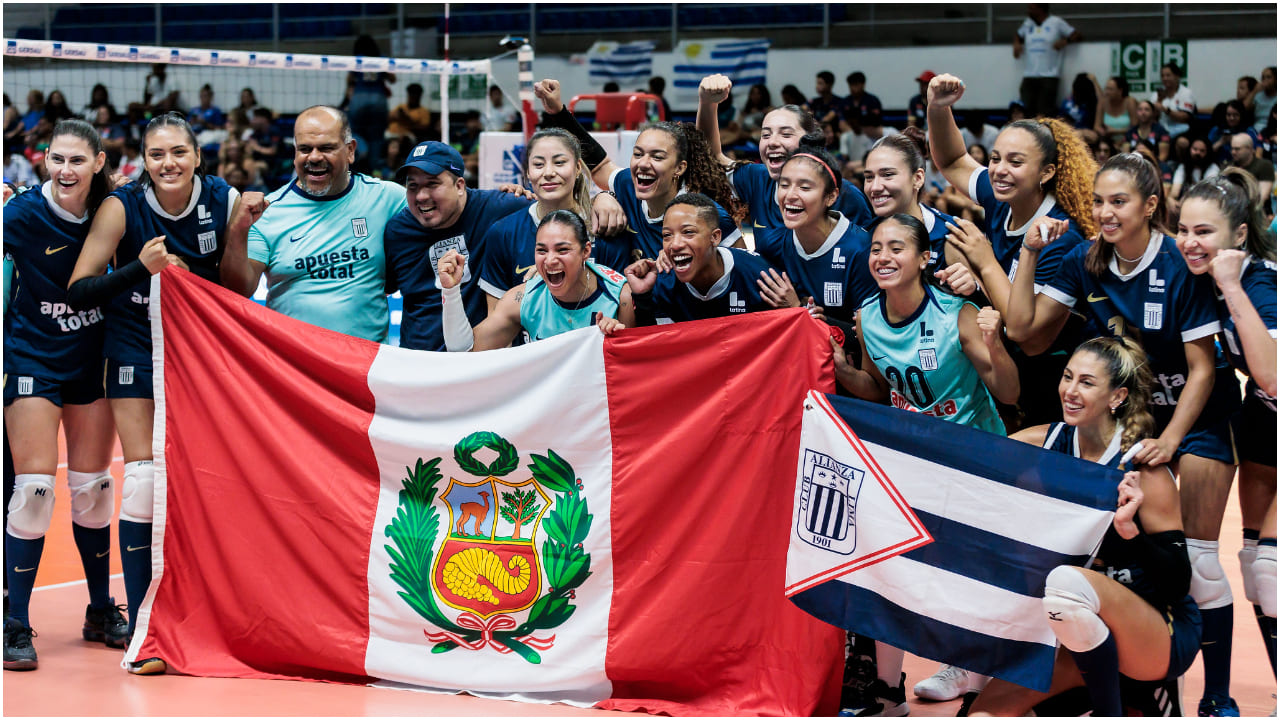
{"type": "Point", "coordinates": [464, 454]}
{"type": "Point", "coordinates": [414, 529]}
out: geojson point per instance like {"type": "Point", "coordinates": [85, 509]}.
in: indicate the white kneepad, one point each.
{"type": "Point", "coordinates": [1071, 606]}
{"type": "Point", "coordinates": [138, 494]}
{"type": "Point", "coordinates": [93, 501]}
{"type": "Point", "coordinates": [31, 507]}
{"type": "Point", "coordinates": [1264, 574]}
{"type": "Point", "coordinates": [1247, 555]}
{"type": "Point", "coordinates": [1209, 586]}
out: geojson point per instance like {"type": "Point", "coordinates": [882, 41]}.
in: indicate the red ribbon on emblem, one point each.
{"type": "Point", "coordinates": [487, 628]}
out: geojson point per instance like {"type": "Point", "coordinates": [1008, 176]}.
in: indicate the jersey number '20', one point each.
{"type": "Point", "coordinates": [916, 387]}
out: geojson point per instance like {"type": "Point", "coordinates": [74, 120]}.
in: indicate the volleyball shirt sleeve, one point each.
{"type": "Point", "coordinates": [1068, 281]}
{"type": "Point", "coordinates": [1195, 303]}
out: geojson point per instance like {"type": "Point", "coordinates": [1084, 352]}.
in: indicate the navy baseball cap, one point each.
{"type": "Point", "coordinates": [433, 158]}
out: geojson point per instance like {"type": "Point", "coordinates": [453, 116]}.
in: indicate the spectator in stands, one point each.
{"type": "Point", "coordinates": [35, 110]}
{"type": "Point", "coordinates": [131, 162]}
{"type": "Point", "coordinates": [468, 143]}
{"type": "Point", "coordinates": [977, 131]}
{"type": "Point", "coordinates": [1117, 111]}
{"type": "Point", "coordinates": [825, 105]}
{"type": "Point", "coordinates": [1042, 38]}
{"type": "Point", "coordinates": [1147, 129]}
{"type": "Point", "coordinates": [160, 95]}
{"type": "Point", "coordinates": [658, 86]}
{"type": "Point", "coordinates": [855, 171]}
{"type": "Point", "coordinates": [918, 105]}
{"type": "Point", "coordinates": [1262, 98]}
{"type": "Point", "coordinates": [248, 102]}
{"type": "Point", "coordinates": [1102, 149]}
{"type": "Point", "coordinates": [860, 102]}
{"type": "Point", "coordinates": [791, 95]}
{"type": "Point", "coordinates": [206, 115]}
{"type": "Point", "coordinates": [498, 115]}
{"type": "Point", "coordinates": [411, 118]}
{"type": "Point", "coordinates": [746, 126]}
{"type": "Point", "coordinates": [1196, 165]}
{"type": "Point", "coordinates": [831, 141]}
{"type": "Point", "coordinates": [1245, 85]}
{"type": "Point", "coordinates": [112, 134]}
{"type": "Point", "coordinates": [56, 108]}
{"type": "Point", "coordinates": [394, 155]}
{"type": "Point", "coordinates": [1081, 106]}
{"type": "Point", "coordinates": [856, 141]}
{"type": "Point", "coordinates": [238, 124]}
{"type": "Point", "coordinates": [97, 98]}
{"type": "Point", "coordinates": [265, 142]}
{"type": "Point", "coordinates": [1233, 123]}
{"type": "Point", "coordinates": [17, 169]}
{"type": "Point", "coordinates": [1174, 101]}
{"type": "Point", "coordinates": [231, 156]}
{"type": "Point", "coordinates": [13, 131]}
{"type": "Point", "coordinates": [1269, 137]}
{"type": "Point", "coordinates": [611, 87]}
{"type": "Point", "coordinates": [366, 103]}
{"type": "Point", "coordinates": [1017, 111]}
{"type": "Point", "coordinates": [1244, 157]}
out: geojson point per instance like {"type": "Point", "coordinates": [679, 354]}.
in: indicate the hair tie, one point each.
{"type": "Point", "coordinates": [824, 165]}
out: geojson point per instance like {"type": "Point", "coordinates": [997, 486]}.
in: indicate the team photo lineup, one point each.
{"type": "Point", "coordinates": [1095, 277]}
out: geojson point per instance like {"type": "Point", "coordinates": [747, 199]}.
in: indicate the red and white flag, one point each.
{"type": "Point", "coordinates": [597, 521]}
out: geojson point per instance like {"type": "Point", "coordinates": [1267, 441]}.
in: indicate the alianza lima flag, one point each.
{"type": "Point", "coordinates": [583, 520]}
{"type": "Point", "coordinates": [936, 538]}
{"type": "Point", "coordinates": [745, 62]}
{"type": "Point", "coordinates": [630, 62]}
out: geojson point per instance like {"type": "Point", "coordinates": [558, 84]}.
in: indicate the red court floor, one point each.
{"type": "Point", "coordinates": [81, 679]}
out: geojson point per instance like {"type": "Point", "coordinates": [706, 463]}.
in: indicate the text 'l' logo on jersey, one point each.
{"type": "Point", "coordinates": [736, 305]}
{"type": "Point", "coordinates": [202, 214]}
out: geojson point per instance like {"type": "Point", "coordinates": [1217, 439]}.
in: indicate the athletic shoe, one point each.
{"type": "Point", "coordinates": [19, 653]}
{"type": "Point", "coordinates": [148, 666]}
{"type": "Point", "coordinates": [880, 700]}
{"type": "Point", "coordinates": [949, 683]}
{"type": "Point", "coordinates": [106, 625]}
{"type": "Point", "coordinates": [1218, 707]}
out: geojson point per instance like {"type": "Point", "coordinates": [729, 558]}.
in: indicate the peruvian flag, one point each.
{"type": "Point", "coordinates": [588, 520]}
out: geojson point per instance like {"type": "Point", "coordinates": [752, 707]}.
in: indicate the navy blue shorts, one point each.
{"type": "Point", "coordinates": [128, 381]}
{"type": "Point", "coordinates": [1184, 629]}
{"type": "Point", "coordinates": [1255, 428]}
{"type": "Point", "coordinates": [79, 391]}
{"type": "Point", "coordinates": [1214, 441]}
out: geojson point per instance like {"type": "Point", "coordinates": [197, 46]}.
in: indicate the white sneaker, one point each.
{"type": "Point", "coordinates": [949, 683]}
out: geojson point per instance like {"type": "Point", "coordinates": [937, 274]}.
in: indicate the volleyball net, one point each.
{"type": "Point", "coordinates": [287, 83]}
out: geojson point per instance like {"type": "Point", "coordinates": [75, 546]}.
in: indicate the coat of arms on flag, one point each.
{"type": "Point", "coordinates": [488, 568]}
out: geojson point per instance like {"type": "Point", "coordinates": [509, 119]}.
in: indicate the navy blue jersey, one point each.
{"type": "Point", "coordinates": [43, 337]}
{"type": "Point", "coordinates": [412, 253]}
{"type": "Point", "coordinates": [735, 292]}
{"type": "Point", "coordinates": [645, 231]}
{"type": "Point", "coordinates": [508, 254]}
{"type": "Point", "coordinates": [1007, 241]}
{"type": "Point", "coordinates": [936, 223]}
{"type": "Point", "coordinates": [837, 276]}
{"type": "Point", "coordinates": [754, 187]}
{"type": "Point", "coordinates": [1160, 304]}
{"type": "Point", "coordinates": [1258, 279]}
{"type": "Point", "coordinates": [196, 235]}
{"type": "Point", "coordinates": [1062, 438]}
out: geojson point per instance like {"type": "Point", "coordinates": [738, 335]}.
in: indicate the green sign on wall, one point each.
{"type": "Point", "coordinates": [1139, 61]}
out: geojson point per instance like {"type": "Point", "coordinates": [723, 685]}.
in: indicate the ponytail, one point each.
{"type": "Point", "coordinates": [1127, 367]}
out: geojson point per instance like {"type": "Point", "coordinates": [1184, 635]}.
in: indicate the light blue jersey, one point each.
{"type": "Point", "coordinates": [543, 316]}
{"type": "Point", "coordinates": [923, 361]}
{"type": "Point", "coordinates": [325, 259]}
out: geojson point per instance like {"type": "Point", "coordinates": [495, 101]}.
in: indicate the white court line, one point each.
{"type": "Point", "coordinates": [62, 466]}
{"type": "Point", "coordinates": [70, 583]}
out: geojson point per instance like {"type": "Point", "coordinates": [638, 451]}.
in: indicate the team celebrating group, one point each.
{"type": "Point", "coordinates": [1071, 316]}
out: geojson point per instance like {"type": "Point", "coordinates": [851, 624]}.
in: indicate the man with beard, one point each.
{"type": "Point", "coordinates": [319, 238]}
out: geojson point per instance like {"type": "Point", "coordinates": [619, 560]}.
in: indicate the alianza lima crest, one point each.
{"type": "Point", "coordinates": [489, 572]}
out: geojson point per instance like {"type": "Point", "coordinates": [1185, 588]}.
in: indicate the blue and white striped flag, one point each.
{"type": "Point", "coordinates": [745, 62]}
{"type": "Point", "coordinates": [622, 63]}
{"type": "Point", "coordinates": [936, 538]}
